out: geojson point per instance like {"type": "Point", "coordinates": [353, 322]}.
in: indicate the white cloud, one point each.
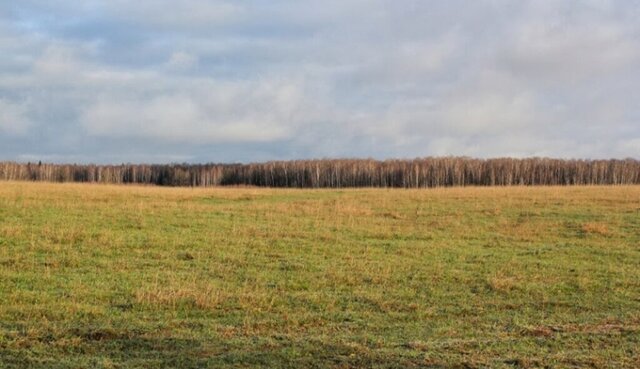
{"type": "Point", "coordinates": [181, 60]}
{"type": "Point", "coordinates": [488, 113]}
{"type": "Point", "coordinates": [176, 119]}
{"type": "Point", "coordinates": [627, 146]}
{"type": "Point", "coordinates": [13, 118]}
{"type": "Point", "coordinates": [341, 78]}
{"type": "Point", "coordinates": [205, 112]}
{"type": "Point", "coordinates": [568, 47]}
{"type": "Point", "coordinates": [184, 14]}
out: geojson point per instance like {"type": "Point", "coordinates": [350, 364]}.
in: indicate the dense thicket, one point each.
{"type": "Point", "coordinates": [427, 172]}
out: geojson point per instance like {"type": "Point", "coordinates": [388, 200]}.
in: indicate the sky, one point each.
{"type": "Point", "coordinates": [160, 81]}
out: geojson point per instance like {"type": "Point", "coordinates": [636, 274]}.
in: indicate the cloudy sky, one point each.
{"type": "Point", "coordinates": [253, 80]}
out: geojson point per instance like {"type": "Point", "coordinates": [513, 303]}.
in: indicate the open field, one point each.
{"type": "Point", "coordinates": [98, 276]}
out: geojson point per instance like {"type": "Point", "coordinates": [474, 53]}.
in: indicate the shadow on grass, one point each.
{"type": "Point", "coordinates": [98, 349]}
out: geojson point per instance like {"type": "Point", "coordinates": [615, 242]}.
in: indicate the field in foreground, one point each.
{"type": "Point", "coordinates": [96, 276]}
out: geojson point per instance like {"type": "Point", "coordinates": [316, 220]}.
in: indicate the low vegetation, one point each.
{"type": "Point", "coordinates": [101, 276]}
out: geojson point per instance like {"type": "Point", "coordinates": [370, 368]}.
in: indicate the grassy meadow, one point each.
{"type": "Point", "coordinates": [99, 276]}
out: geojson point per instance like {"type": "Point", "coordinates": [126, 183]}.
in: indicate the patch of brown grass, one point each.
{"type": "Point", "coordinates": [595, 228]}
{"type": "Point", "coordinates": [198, 295]}
{"type": "Point", "coordinates": [605, 327]}
{"type": "Point", "coordinates": [502, 283]}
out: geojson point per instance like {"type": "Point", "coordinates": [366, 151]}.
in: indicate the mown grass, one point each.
{"type": "Point", "coordinates": [95, 276]}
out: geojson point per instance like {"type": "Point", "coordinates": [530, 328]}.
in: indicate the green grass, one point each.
{"type": "Point", "coordinates": [98, 276]}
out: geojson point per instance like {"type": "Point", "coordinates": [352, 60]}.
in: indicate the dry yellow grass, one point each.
{"type": "Point", "coordinates": [595, 228]}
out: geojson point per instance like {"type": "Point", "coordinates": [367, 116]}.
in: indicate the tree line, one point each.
{"type": "Point", "coordinates": [336, 173]}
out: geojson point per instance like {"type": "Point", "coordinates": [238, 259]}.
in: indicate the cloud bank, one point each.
{"type": "Point", "coordinates": [213, 81]}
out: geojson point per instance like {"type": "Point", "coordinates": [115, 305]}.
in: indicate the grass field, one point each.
{"type": "Point", "coordinates": [95, 276]}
